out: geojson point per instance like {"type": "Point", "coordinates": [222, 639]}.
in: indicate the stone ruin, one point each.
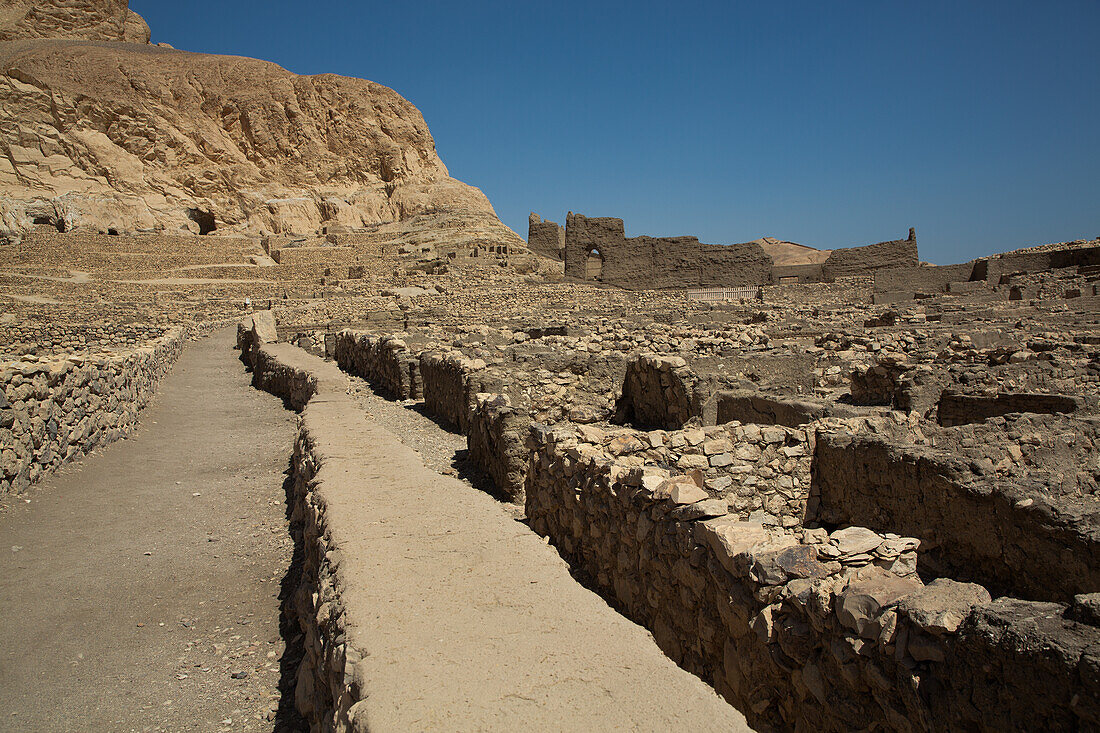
{"type": "Point", "coordinates": [598, 249]}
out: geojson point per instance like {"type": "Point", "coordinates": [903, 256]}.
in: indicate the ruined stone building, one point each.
{"type": "Point", "coordinates": [598, 249]}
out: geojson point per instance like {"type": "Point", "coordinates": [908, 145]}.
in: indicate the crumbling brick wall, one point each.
{"type": "Point", "coordinates": [654, 263]}
{"type": "Point", "coordinates": [867, 259]}
{"type": "Point", "coordinates": [450, 384]}
{"type": "Point", "coordinates": [545, 238]}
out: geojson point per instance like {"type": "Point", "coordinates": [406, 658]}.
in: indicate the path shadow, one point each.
{"type": "Point", "coordinates": [287, 717]}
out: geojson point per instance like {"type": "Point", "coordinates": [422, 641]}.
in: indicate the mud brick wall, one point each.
{"type": "Point", "coordinates": [545, 238]}
{"type": "Point", "coordinates": [974, 527]}
{"type": "Point", "coordinates": [450, 385]}
{"type": "Point", "coordinates": [960, 409]}
{"type": "Point", "coordinates": [802, 631]}
{"type": "Point", "coordinates": [642, 263]}
{"type": "Point", "coordinates": [384, 361]}
{"type": "Point", "coordinates": [928, 279]}
{"type": "Point", "coordinates": [864, 260]}
{"type": "Point", "coordinates": [497, 440]}
{"type": "Point", "coordinates": [56, 411]}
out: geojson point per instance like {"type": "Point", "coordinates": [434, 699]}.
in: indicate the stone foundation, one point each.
{"type": "Point", "coordinates": [973, 526]}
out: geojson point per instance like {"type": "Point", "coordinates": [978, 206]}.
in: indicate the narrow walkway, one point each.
{"type": "Point", "coordinates": [460, 617]}
{"type": "Point", "coordinates": [139, 589]}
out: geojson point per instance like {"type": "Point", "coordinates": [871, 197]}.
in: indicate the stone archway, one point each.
{"type": "Point", "coordinates": [593, 266]}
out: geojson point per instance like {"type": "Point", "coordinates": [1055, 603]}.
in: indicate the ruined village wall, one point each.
{"type": "Point", "coordinates": [654, 263]}
{"type": "Point", "coordinates": [927, 279]}
{"type": "Point", "coordinates": [545, 238]}
{"type": "Point", "coordinates": [999, 536]}
{"type": "Point", "coordinates": [864, 260]}
{"type": "Point", "coordinates": [56, 411]}
{"type": "Point", "coordinates": [384, 361]}
{"type": "Point", "coordinates": [801, 630]}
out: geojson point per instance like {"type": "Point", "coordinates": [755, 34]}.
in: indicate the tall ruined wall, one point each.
{"type": "Point", "coordinates": [864, 260]}
{"type": "Point", "coordinates": [545, 238]}
{"type": "Point", "coordinates": [654, 263]}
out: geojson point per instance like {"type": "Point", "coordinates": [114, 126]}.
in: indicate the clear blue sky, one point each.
{"type": "Point", "coordinates": [830, 124]}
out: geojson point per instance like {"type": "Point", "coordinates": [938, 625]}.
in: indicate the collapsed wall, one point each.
{"type": "Point", "coordinates": [59, 410]}
{"type": "Point", "coordinates": [808, 630]}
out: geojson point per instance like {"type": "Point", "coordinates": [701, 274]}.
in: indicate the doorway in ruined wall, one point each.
{"type": "Point", "coordinates": [593, 266]}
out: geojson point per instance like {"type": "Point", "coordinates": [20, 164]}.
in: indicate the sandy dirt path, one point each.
{"type": "Point", "coordinates": [140, 589]}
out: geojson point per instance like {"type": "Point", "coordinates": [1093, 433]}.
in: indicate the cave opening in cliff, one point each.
{"type": "Point", "coordinates": [593, 267]}
{"type": "Point", "coordinates": [111, 231]}
{"type": "Point", "coordinates": [204, 219]}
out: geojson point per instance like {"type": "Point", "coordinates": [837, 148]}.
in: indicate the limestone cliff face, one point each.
{"type": "Point", "coordinates": [102, 135]}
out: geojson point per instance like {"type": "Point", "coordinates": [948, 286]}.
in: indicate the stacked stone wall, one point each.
{"type": "Point", "coordinates": [450, 385]}
{"type": "Point", "coordinates": [497, 440]}
{"type": "Point", "coordinates": [384, 361]}
{"type": "Point", "coordinates": [807, 630]}
{"type": "Point", "coordinates": [974, 526]}
{"type": "Point", "coordinates": [50, 337]}
{"type": "Point", "coordinates": [663, 392]}
{"type": "Point", "coordinates": [56, 411]}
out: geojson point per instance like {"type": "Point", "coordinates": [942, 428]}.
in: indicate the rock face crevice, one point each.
{"type": "Point", "coordinates": [98, 133]}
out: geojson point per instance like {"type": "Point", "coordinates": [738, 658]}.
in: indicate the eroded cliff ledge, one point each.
{"type": "Point", "coordinates": [99, 133]}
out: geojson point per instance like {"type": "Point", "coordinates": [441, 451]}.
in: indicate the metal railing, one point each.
{"type": "Point", "coordinates": [718, 295]}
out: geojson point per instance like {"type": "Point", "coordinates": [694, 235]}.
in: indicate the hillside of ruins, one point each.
{"type": "Point", "coordinates": [567, 480]}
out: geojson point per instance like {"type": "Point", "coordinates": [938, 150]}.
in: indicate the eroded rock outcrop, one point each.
{"type": "Point", "coordinates": [98, 132]}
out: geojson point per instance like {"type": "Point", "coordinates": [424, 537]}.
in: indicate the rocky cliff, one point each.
{"type": "Point", "coordinates": [100, 131]}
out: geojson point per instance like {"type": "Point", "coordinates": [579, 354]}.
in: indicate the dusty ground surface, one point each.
{"type": "Point", "coordinates": [140, 589]}
{"type": "Point", "coordinates": [441, 448]}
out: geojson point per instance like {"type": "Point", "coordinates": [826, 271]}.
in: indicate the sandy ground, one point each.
{"type": "Point", "coordinates": [140, 589]}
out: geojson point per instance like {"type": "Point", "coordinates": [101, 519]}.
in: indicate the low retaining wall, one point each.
{"type": "Point", "coordinates": [806, 631]}
{"type": "Point", "coordinates": [384, 361]}
{"type": "Point", "coordinates": [450, 384]}
{"type": "Point", "coordinates": [993, 533]}
{"type": "Point", "coordinates": [751, 407]}
{"type": "Point", "coordinates": [497, 442]}
{"type": "Point", "coordinates": [53, 412]}
{"type": "Point", "coordinates": [501, 637]}
{"type": "Point", "coordinates": [960, 409]}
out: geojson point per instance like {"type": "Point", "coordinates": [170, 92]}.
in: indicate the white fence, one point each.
{"type": "Point", "coordinates": [718, 295]}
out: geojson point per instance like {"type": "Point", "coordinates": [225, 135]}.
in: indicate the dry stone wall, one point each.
{"type": "Point", "coordinates": [975, 526]}
{"type": "Point", "coordinates": [384, 361]}
{"type": "Point", "coordinates": [53, 411]}
{"type": "Point", "coordinates": [805, 630]}
{"type": "Point", "coordinates": [451, 383]}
